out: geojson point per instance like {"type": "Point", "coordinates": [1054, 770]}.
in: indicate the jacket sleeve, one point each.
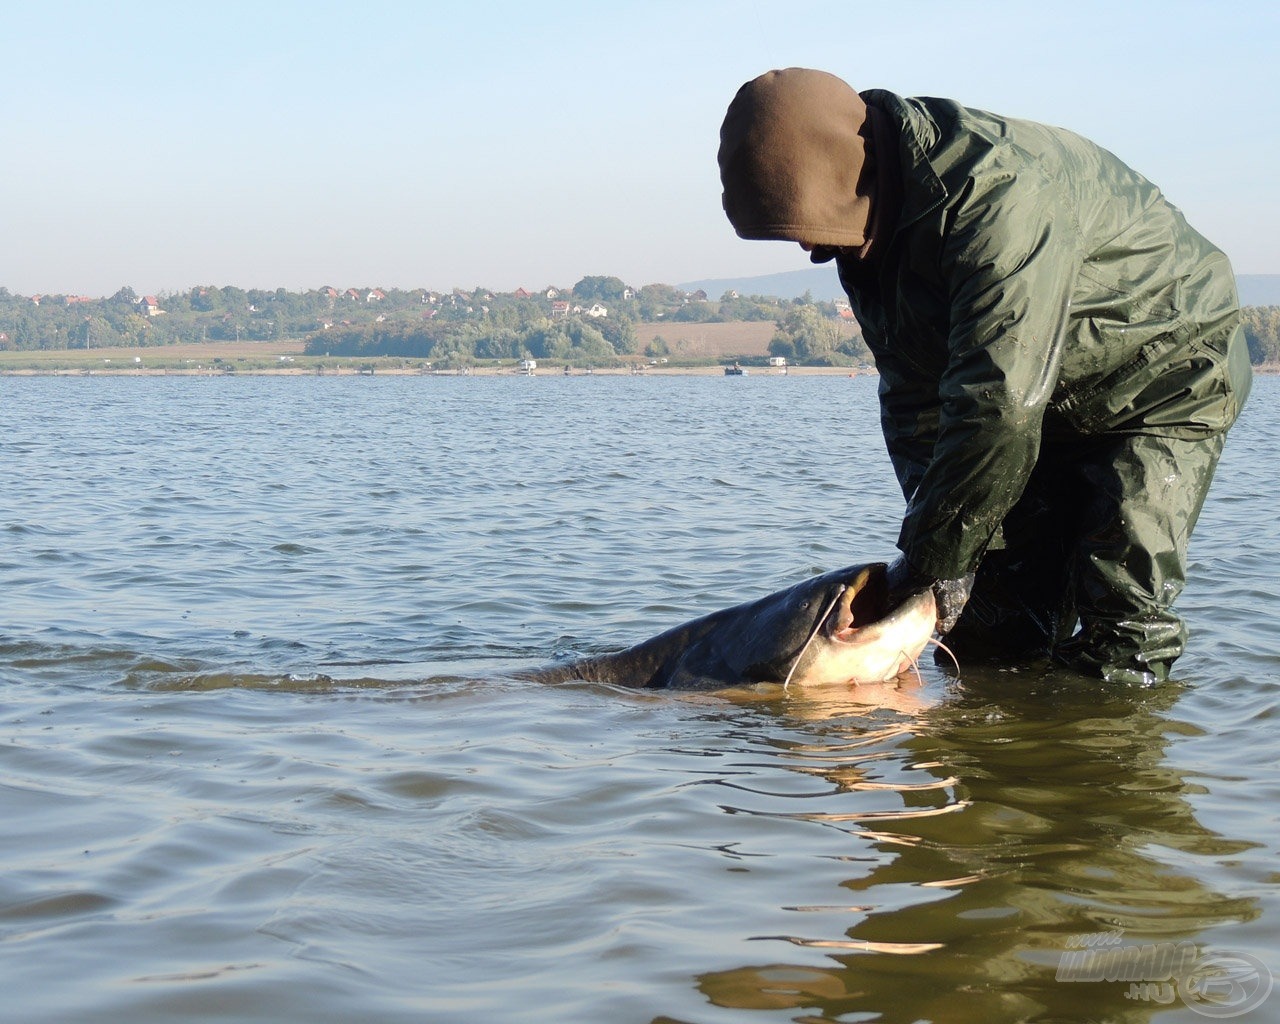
{"type": "Point", "coordinates": [1009, 257]}
{"type": "Point", "coordinates": [908, 419]}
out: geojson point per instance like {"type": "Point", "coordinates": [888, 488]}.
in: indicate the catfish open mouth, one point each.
{"type": "Point", "coordinates": [865, 602]}
{"type": "Point", "coordinates": [864, 636]}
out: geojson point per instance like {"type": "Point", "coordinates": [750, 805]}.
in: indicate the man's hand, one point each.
{"type": "Point", "coordinates": [949, 595]}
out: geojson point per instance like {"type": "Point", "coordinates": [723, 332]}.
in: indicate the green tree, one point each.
{"type": "Point", "coordinates": [503, 343]}
{"type": "Point", "coordinates": [657, 301]}
{"type": "Point", "coordinates": [783, 346]}
{"type": "Point", "coordinates": [815, 339]}
{"type": "Point", "coordinates": [589, 343]}
{"type": "Point", "coordinates": [741, 307]}
{"type": "Point", "coordinates": [695, 311]}
{"type": "Point", "coordinates": [600, 289]}
{"type": "Point", "coordinates": [619, 331]}
{"type": "Point", "coordinates": [1262, 333]}
{"type": "Point", "coordinates": [548, 341]}
{"type": "Point", "coordinates": [657, 347]}
{"type": "Point", "coordinates": [126, 297]}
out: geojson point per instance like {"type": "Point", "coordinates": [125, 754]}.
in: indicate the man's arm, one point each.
{"type": "Point", "coordinates": [1011, 257]}
{"type": "Point", "coordinates": [909, 408]}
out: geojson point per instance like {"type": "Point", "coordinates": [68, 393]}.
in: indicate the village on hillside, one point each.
{"type": "Point", "coordinates": [600, 320]}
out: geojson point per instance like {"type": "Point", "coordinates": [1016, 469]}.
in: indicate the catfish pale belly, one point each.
{"type": "Point", "coordinates": [832, 629]}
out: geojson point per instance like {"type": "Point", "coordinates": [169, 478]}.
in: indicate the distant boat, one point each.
{"type": "Point", "coordinates": [734, 371]}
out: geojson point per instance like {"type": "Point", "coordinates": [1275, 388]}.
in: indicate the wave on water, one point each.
{"type": "Point", "coordinates": [265, 754]}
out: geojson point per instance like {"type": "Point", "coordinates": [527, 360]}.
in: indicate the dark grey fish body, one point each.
{"type": "Point", "coordinates": [828, 629]}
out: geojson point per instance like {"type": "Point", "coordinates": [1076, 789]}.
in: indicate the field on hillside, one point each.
{"type": "Point", "coordinates": [176, 356]}
{"type": "Point", "coordinates": [715, 341]}
{"type": "Point", "coordinates": [709, 341]}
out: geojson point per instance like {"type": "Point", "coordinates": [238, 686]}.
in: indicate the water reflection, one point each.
{"type": "Point", "coordinates": [1050, 816]}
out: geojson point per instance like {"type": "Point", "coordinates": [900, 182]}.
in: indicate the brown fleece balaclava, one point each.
{"type": "Point", "coordinates": [793, 160]}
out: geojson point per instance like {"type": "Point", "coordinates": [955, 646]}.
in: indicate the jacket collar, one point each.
{"type": "Point", "coordinates": [922, 189]}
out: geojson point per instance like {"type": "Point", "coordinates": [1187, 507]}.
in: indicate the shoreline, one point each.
{"type": "Point", "coordinates": [1265, 369]}
{"type": "Point", "coordinates": [355, 370]}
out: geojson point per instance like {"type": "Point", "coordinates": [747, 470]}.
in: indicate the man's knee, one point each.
{"type": "Point", "coordinates": [1139, 650]}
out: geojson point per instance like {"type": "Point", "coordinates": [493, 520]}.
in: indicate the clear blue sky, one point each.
{"type": "Point", "coordinates": [290, 144]}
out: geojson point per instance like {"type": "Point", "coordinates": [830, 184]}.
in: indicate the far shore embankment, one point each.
{"type": "Point", "coordinates": [365, 367]}
{"type": "Point", "coordinates": [286, 359]}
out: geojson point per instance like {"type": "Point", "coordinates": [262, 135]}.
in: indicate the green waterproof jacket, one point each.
{"type": "Point", "coordinates": [1034, 291]}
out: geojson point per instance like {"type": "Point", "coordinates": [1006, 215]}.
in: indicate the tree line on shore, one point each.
{"type": "Point", "coordinates": [594, 321]}
{"type": "Point", "coordinates": [1262, 330]}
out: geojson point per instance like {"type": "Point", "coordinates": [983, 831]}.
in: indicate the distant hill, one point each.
{"type": "Point", "coordinates": [1258, 289]}
{"type": "Point", "coordinates": [821, 282]}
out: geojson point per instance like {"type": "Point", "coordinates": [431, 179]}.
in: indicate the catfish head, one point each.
{"type": "Point", "coordinates": [833, 629]}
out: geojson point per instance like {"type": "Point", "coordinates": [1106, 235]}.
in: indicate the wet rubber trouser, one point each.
{"type": "Point", "coordinates": [1099, 537]}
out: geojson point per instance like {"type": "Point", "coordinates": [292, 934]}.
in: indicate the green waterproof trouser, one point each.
{"type": "Point", "coordinates": [1097, 541]}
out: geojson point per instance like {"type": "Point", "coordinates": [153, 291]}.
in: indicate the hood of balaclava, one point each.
{"type": "Point", "coordinates": [793, 160]}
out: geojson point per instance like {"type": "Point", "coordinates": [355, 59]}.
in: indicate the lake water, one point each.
{"type": "Point", "coordinates": [263, 756]}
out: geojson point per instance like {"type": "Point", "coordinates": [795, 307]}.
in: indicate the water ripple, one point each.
{"type": "Point", "coordinates": [263, 754]}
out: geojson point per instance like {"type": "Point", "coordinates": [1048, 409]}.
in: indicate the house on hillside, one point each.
{"type": "Point", "coordinates": [520, 293]}
{"type": "Point", "coordinates": [559, 308]}
{"type": "Point", "coordinates": [352, 294]}
{"type": "Point", "coordinates": [375, 295]}
{"type": "Point", "coordinates": [597, 310]}
{"type": "Point", "coordinates": [149, 305]}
